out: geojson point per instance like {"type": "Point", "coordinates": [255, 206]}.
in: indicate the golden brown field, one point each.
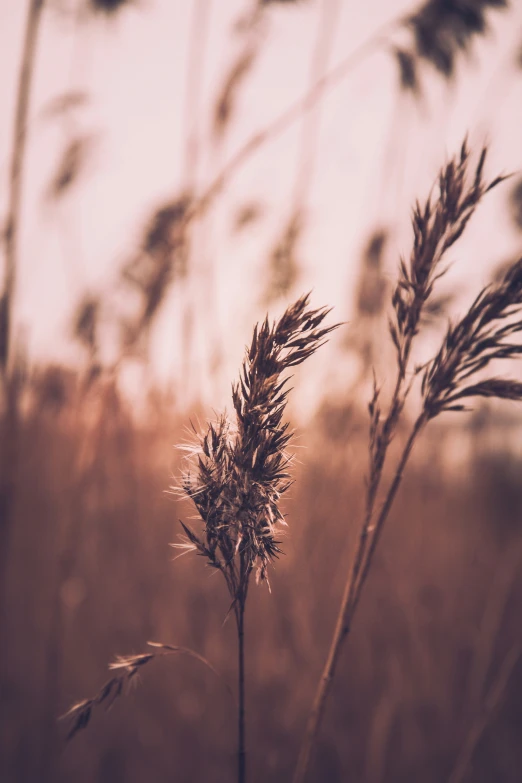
{"type": "Point", "coordinates": [430, 662]}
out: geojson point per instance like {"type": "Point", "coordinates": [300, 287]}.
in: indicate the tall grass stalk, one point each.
{"type": "Point", "coordinates": [240, 471]}
{"type": "Point", "coordinates": [10, 374]}
{"type": "Point", "coordinates": [11, 233]}
{"type": "Point", "coordinates": [447, 380]}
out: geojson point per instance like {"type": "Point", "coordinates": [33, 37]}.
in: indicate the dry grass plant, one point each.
{"type": "Point", "coordinates": [447, 381]}
{"type": "Point", "coordinates": [241, 471]}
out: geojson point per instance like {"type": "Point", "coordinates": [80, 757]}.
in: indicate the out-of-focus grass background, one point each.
{"type": "Point", "coordinates": [433, 664]}
{"type": "Point", "coordinates": [91, 576]}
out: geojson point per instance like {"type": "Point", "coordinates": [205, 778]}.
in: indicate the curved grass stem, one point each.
{"type": "Point", "coordinates": [357, 576]}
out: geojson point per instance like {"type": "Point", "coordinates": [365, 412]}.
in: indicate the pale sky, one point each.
{"type": "Point", "coordinates": [134, 71]}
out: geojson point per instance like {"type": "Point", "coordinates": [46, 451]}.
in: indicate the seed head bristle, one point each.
{"type": "Point", "coordinates": [470, 345]}
{"type": "Point", "coordinates": [437, 225]}
{"type": "Point", "coordinates": [241, 470]}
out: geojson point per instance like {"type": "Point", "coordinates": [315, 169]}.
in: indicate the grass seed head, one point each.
{"type": "Point", "coordinates": [437, 225]}
{"type": "Point", "coordinates": [470, 345]}
{"type": "Point", "coordinates": [242, 468]}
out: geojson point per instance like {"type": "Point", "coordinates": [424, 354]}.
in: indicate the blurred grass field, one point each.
{"type": "Point", "coordinates": [91, 576]}
{"type": "Point", "coordinates": [199, 164]}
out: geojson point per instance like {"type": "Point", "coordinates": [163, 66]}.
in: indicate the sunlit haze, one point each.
{"type": "Point", "coordinates": [376, 149]}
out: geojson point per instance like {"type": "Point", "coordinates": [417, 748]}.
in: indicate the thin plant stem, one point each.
{"type": "Point", "coordinates": [9, 369]}
{"type": "Point", "coordinates": [376, 529]}
{"type": "Point", "coordinates": [293, 113]}
{"type": "Point", "coordinates": [199, 27]}
{"type": "Point", "coordinates": [17, 159]}
{"type": "Point", "coordinates": [9, 449]}
{"type": "Point", "coordinates": [241, 744]}
{"type": "Point", "coordinates": [328, 26]}
{"type": "Point", "coordinates": [195, 65]}
{"type": "Point", "coordinates": [352, 591]}
{"type": "Point", "coordinates": [361, 562]}
{"type": "Point", "coordinates": [12, 223]}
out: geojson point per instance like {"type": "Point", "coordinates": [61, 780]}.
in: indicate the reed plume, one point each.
{"type": "Point", "coordinates": [449, 378]}
{"type": "Point", "coordinates": [242, 470]}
